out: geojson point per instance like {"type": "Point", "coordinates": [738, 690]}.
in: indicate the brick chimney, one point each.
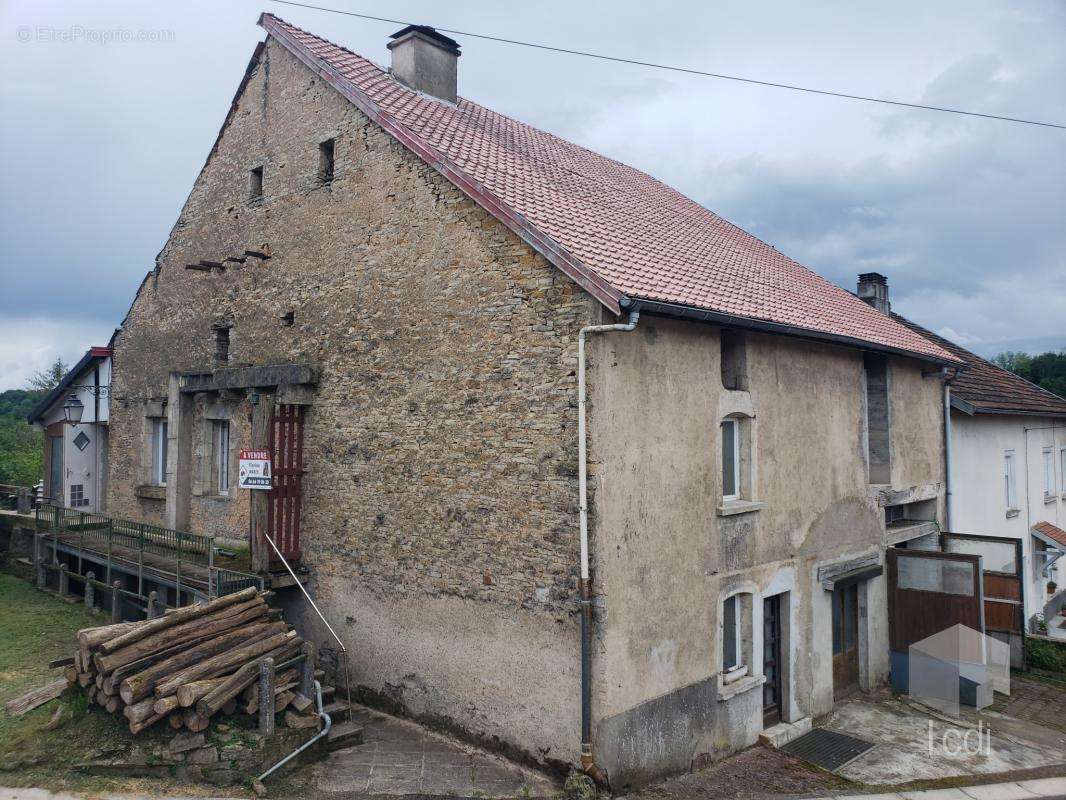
{"type": "Point", "coordinates": [873, 289]}
{"type": "Point", "coordinates": [426, 61]}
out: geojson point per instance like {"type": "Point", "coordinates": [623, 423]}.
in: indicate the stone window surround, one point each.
{"type": "Point", "coordinates": [738, 405]}
{"type": "Point", "coordinates": [150, 488]}
{"type": "Point", "coordinates": [206, 483]}
{"type": "Point", "coordinates": [782, 582]}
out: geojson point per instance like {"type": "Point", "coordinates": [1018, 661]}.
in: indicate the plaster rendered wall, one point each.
{"type": "Point", "coordinates": [979, 502]}
{"type": "Point", "coordinates": [665, 557]}
{"type": "Point", "coordinates": [439, 504]}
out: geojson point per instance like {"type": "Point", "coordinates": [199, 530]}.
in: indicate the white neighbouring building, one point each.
{"type": "Point", "coordinates": [75, 454]}
{"type": "Point", "coordinates": [1007, 476]}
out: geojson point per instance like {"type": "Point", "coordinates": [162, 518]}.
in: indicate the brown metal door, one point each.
{"type": "Point", "coordinates": [286, 443]}
{"type": "Point", "coordinates": [929, 591]}
{"type": "Point", "coordinates": [845, 640]}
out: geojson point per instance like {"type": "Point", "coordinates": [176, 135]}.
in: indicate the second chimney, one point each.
{"type": "Point", "coordinates": [873, 289]}
{"type": "Point", "coordinates": [426, 61]}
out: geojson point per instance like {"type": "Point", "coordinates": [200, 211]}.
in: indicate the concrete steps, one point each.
{"type": "Point", "coordinates": [345, 734]}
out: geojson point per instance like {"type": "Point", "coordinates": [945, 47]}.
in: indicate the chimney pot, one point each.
{"type": "Point", "coordinates": [426, 61]}
{"type": "Point", "coordinates": [873, 289]}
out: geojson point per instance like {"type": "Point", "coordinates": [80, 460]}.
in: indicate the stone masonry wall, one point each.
{"type": "Point", "coordinates": [440, 449]}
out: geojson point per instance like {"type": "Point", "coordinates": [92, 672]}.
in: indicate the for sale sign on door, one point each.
{"type": "Point", "coordinates": [253, 470]}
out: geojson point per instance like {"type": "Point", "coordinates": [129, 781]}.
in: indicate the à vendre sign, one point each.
{"type": "Point", "coordinates": [253, 471]}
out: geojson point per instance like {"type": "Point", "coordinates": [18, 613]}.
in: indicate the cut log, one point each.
{"type": "Point", "coordinates": [194, 722]}
{"type": "Point", "coordinates": [38, 697]}
{"type": "Point", "coordinates": [114, 705]}
{"type": "Point", "coordinates": [209, 705]}
{"type": "Point", "coordinates": [224, 661]}
{"type": "Point", "coordinates": [115, 678]}
{"type": "Point", "coordinates": [56, 663]}
{"type": "Point", "coordinates": [70, 674]}
{"type": "Point", "coordinates": [177, 721]}
{"type": "Point", "coordinates": [179, 616]}
{"type": "Point", "coordinates": [285, 680]}
{"type": "Point", "coordinates": [101, 698]}
{"type": "Point", "coordinates": [164, 705]}
{"type": "Point", "coordinates": [90, 693]}
{"type": "Point", "coordinates": [137, 727]}
{"type": "Point", "coordinates": [302, 702]}
{"type": "Point", "coordinates": [139, 712]}
{"type": "Point", "coordinates": [191, 692]}
{"type": "Point", "coordinates": [86, 678]}
{"type": "Point", "coordinates": [178, 667]}
{"type": "Point", "coordinates": [243, 613]}
{"type": "Point", "coordinates": [90, 638]}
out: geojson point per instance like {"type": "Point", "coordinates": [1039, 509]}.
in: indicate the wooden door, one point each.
{"type": "Point", "coordinates": [286, 443]}
{"type": "Point", "coordinates": [771, 660]}
{"type": "Point", "coordinates": [845, 640]}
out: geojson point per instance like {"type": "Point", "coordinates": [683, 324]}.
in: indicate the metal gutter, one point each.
{"type": "Point", "coordinates": [729, 320]}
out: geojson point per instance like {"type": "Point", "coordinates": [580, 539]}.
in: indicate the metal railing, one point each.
{"type": "Point", "coordinates": [128, 541]}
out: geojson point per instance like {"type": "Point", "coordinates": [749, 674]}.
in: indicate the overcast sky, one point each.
{"type": "Point", "coordinates": [101, 141]}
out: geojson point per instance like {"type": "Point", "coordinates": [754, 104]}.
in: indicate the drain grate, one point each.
{"type": "Point", "coordinates": [827, 749]}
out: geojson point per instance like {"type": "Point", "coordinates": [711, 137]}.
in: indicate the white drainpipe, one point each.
{"type": "Point", "coordinates": [587, 762]}
{"type": "Point", "coordinates": [947, 457]}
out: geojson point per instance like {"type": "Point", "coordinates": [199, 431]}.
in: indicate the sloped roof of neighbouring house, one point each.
{"type": "Point", "coordinates": [92, 356]}
{"type": "Point", "coordinates": [622, 235]}
{"type": "Point", "coordinates": [984, 388]}
{"type": "Point", "coordinates": [1053, 532]}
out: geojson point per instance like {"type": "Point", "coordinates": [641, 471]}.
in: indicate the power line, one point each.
{"type": "Point", "coordinates": [684, 70]}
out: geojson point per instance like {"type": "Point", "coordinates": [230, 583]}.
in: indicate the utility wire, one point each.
{"type": "Point", "coordinates": [685, 70]}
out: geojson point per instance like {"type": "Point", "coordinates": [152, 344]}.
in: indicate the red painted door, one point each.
{"type": "Point", "coordinates": [286, 442]}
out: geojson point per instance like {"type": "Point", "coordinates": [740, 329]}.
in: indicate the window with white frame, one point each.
{"type": "Point", "coordinates": [1010, 494]}
{"type": "Point", "coordinates": [159, 451]}
{"type": "Point", "coordinates": [1048, 460]}
{"type": "Point", "coordinates": [736, 636]}
{"type": "Point", "coordinates": [222, 455]}
{"type": "Point", "coordinates": [730, 459]}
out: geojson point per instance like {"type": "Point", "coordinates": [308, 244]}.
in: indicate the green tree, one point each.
{"type": "Point", "coordinates": [45, 380]}
{"type": "Point", "coordinates": [21, 452]}
{"type": "Point", "coordinates": [1048, 370]}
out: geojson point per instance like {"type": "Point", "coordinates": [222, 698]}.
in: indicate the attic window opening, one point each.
{"type": "Point", "coordinates": [734, 361]}
{"type": "Point", "coordinates": [255, 183]}
{"type": "Point", "coordinates": [288, 319]}
{"type": "Point", "coordinates": [325, 160]}
{"type": "Point", "coordinates": [222, 342]}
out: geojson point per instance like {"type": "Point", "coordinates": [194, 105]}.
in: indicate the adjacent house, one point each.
{"type": "Point", "coordinates": [1008, 481]}
{"type": "Point", "coordinates": [571, 463]}
{"type": "Point", "coordinates": [74, 418]}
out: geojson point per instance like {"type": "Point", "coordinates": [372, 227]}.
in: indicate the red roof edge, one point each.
{"type": "Point", "coordinates": [100, 352]}
{"type": "Point", "coordinates": [530, 234]}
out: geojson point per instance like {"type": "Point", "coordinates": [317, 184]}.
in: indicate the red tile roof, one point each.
{"type": "Point", "coordinates": [616, 231]}
{"type": "Point", "coordinates": [985, 388]}
{"type": "Point", "coordinates": [1051, 531]}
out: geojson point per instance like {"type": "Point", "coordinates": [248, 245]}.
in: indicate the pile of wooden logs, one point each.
{"type": "Point", "coordinates": [187, 665]}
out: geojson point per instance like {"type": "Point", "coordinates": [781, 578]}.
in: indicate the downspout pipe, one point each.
{"type": "Point", "coordinates": [947, 455]}
{"type": "Point", "coordinates": [588, 764]}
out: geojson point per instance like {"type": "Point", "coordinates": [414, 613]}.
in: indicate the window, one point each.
{"type": "Point", "coordinates": [736, 634]}
{"type": "Point", "coordinates": [325, 160]}
{"type": "Point", "coordinates": [221, 342]}
{"type": "Point", "coordinates": [159, 452]}
{"type": "Point", "coordinates": [1008, 481]}
{"type": "Point", "coordinates": [255, 183]}
{"type": "Point", "coordinates": [730, 634]}
{"type": "Point", "coordinates": [730, 459]}
{"type": "Point", "coordinates": [734, 361]}
{"type": "Point", "coordinates": [77, 496]}
{"type": "Point", "coordinates": [878, 437]}
{"type": "Point", "coordinates": [942, 576]}
{"type": "Point", "coordinates": [222, 455]}
{"type": "Point", "coordinates": [81, 441]}
{"type": "Point", "coordinates": [1049, 472]}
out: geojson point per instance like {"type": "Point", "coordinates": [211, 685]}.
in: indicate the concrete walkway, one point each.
{"type": "Point", "coordinates": [401, 758]}
{"type": "Point", "coordinates": [1040, 789]}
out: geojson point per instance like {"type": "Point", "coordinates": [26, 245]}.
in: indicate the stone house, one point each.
{"type": "Point", "coordinates": [390, 288]}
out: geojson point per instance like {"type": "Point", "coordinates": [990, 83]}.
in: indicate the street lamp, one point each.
{"type": "Point", "coordinates": [72, 409]}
